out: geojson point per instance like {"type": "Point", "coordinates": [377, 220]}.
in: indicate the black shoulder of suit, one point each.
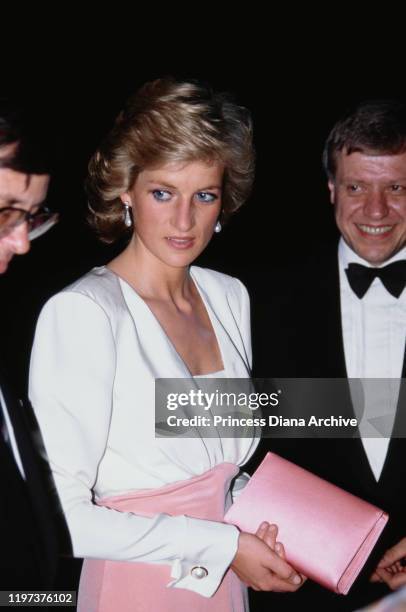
{"type": "Point", "coordinates": [32, 527]}
{"type": "Point", "coordinates": [296, 318]}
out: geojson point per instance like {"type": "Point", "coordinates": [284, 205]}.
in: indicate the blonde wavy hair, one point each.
{"type": "Point", "coordinates": [169, 121]}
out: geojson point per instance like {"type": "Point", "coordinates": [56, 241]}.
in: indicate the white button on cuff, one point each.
{"type": "Point", "coordinates": [199, 572]}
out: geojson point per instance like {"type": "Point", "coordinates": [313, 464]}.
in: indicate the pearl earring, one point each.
{"type": "Point", "coordinates": [127, 215]}
{"type": "Point", "coordinates": [217, 227]}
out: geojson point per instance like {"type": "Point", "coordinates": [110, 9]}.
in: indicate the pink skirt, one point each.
{"type": "Point", "coordinates": [123, 586]}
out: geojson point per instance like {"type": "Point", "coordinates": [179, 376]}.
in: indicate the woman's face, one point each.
{"type": "Point", "coordinates": [175, 208]}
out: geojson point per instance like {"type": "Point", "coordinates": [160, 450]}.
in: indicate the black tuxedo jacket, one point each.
{"type": "Point", "coordinates": [32, 529]}
{"type": "Point", "coordinates": [297, 333]}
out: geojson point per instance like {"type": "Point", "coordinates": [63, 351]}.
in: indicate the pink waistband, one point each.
{"type": "Point", "coordinates": [107, 586]}
{"type": "Point", "coordinates": [203, 496]}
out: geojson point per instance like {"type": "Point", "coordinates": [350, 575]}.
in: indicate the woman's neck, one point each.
{"type": "Point", "coordinates": [150, 277]}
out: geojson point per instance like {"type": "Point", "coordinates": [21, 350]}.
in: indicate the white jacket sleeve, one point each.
{"type": "Point", "coordinates": [71, 385]}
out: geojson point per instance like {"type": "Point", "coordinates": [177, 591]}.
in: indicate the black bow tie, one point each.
{"type": "Point", "coordinates": [393, 277]}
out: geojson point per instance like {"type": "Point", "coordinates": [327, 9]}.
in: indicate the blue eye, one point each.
{"type": "Point", "coordinates": [204, 196]}
{"type": "Point", "coordinates": [161, 195]}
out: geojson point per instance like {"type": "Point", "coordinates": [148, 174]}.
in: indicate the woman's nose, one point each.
{"type": "Point", "coordinates": [184, 216]}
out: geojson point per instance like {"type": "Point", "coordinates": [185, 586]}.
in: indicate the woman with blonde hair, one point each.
{"type": "Point", "coordinates": [146, 512]}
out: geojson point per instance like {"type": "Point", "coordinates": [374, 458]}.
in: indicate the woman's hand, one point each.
{"type": "Point", "coordinates": [259, 565]}
{"type": "Point", "coordinates": [268, 533]}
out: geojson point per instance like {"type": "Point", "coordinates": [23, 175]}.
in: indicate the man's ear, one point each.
{"type": "Point", "coordinates": [332, 190]}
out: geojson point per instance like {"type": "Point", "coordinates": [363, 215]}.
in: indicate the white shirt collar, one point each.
{"type": "Point", "coordinates": [346, 256]}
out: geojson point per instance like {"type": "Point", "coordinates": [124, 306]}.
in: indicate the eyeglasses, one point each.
{"type": "Point", "coordinates": [38, 223]}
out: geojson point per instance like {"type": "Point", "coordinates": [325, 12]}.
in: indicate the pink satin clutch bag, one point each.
{"type": "Point", "coordinates": [328, 533]}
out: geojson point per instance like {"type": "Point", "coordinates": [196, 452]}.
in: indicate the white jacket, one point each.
{"type": "Point", "coordinates": [97, 351]}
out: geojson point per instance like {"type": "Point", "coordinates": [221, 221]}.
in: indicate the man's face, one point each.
{"type": "Point", "coordinates": [369, 197]}
{"type": "Point", "coordinates": [25, 191]}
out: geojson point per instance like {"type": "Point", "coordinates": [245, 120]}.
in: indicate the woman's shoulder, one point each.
{"type": "Point", "coordinates": [218, 282]}
{"type": "Point", "coordinates": [98, 288]}
{"type": "Point", "coordinates": [206, 277]}
{"type": "Point", "coordinates": [97, 283]}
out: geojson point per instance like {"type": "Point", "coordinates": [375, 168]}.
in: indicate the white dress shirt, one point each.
{"type": "Point", "coordinates": [374, 332]}
{"type": "Point", "coordinates": [97, 351]}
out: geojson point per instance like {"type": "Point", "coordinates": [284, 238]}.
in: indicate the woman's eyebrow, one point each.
{"type": "Point", "coordinates": [169, 186]}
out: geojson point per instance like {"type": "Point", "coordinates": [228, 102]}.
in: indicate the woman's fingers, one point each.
{"type": "Point", "coordinates": [260, 533]}
{"type": "Point", "coordinates": [280, 551]}
{"type": "Point", "coordinates": [268, 533]}
{"type": "Point", "coordinates": [256, 564]}
{"type": "Point", "coordinates": [281, 568]}
{"type": "Point", "coordinates": [270, 536]}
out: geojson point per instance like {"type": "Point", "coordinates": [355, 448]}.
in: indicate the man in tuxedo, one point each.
{"type": "Point", "coordinates": [28, 515]}
{"type": "Point", "coordinates": [341, 313]}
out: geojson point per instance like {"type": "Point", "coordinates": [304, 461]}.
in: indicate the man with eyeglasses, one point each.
{"type": "Point", "coordinates": [23, 216]}
{"type": "Point", "coordinates": [28, 529]}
